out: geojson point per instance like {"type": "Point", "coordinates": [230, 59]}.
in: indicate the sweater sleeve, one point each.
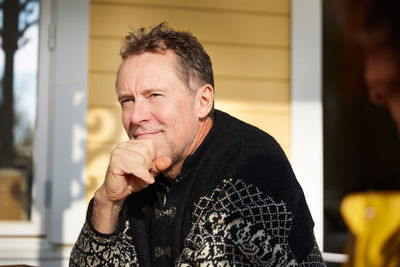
{"type": "Point", "coordinates": [238, 225]}
{"type": "Point", "coordinates": [96, 249]}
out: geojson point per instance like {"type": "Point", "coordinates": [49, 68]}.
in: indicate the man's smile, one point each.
{"type": "Point", "coordinates": [146, 134]}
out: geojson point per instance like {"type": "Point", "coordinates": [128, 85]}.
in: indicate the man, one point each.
{"type": "Point", "coordinates": [193, 185]}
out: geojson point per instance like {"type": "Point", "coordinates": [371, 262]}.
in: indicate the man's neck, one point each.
{"type": "Point", "coordinates": [205, 128]}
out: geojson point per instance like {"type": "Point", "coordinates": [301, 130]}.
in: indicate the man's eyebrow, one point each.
{"type": "Point", "coordinates": [143, 92]}
{"type": "Point", "coordinates": [124, 95]}
{"type": "Point", "coordinates": [151, 90]}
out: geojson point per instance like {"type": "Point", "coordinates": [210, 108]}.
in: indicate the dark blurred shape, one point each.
{"type": "Point", "coordinates": [361, 144]}
{"type": "Point", "coordinates": [372, 32]}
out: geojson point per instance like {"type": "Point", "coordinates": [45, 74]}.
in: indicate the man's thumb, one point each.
{"type": "Point", "coordinates": [160, 164]}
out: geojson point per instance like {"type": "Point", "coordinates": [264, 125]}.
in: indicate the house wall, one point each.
{"type": "Point", "coordinates": [248, 42]}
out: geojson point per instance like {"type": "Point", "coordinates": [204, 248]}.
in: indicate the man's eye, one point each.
{"type": "Point", "coordinates": [154, 95]}
{"type": "Point", "coordinates": [124, 101]}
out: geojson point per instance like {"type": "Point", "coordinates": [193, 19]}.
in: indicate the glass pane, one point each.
{"type": "Point", "coordinates": [361, 146]}
{"type": "Point", "coordinates": [18, 100]}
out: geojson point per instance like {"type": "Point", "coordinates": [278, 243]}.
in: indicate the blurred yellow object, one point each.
{"type": "Point", "coordinates": [374, 220]}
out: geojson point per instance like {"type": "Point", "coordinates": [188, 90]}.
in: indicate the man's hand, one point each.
{"type": "Point", "coordinates": [133, 166]}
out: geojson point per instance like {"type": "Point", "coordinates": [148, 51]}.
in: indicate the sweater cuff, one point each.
{"type": "Point", "coordinates": [120, 222]}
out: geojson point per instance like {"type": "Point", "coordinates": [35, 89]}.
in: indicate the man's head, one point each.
{"type": "Point", "coordinates": [373, 31]}
{"type": "Point", "coordinates": [164, 94]}
{"type": "Point", "coordinates": [194, 64]}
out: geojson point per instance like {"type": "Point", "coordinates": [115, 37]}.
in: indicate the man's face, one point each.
{"type": "Point", "coordinates": [156, 104]}
{"type": "Point", "coordinates": [382, 75]}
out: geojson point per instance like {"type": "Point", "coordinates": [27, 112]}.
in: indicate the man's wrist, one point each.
{"type": "Point", "coordinates": [101, 200]}
{"type": "Point", "coordinates": [105, 213]}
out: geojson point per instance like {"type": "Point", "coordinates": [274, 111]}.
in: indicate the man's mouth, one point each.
{"type": "Point", "coordinates": [145, 134]}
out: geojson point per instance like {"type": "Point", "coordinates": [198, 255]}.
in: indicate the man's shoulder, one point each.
{"type": "Point", "coordinates": [253, 144]}
{"type": "Point", "coordinates": [232, 130]}
{"type": "Point", "coordinates": [252, 154]}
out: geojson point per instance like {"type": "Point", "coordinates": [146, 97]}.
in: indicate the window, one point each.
{"type": "Point", "coordinates": [361, 146]}
{"type": "Point", "coordinates": [55, 203]}
{"type": "Point", "coordinates": [18, 105]}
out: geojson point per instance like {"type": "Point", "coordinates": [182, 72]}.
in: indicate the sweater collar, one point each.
{"type": "Point", "coordinates": [192, 160]}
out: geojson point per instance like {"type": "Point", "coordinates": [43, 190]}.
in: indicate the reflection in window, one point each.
{"type": "Point", "coordinates": [361, 145]}
{"type": "Point", "coordinates": [18, 100]}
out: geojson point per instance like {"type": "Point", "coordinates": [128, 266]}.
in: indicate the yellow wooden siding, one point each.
{"type": "Point", "coordinates": [226, 27]}
{"type": "Point", "coordinates": [256, 63]}
{"type": "Point", "coordinates": [249, 45]}
{"type": "Point", "coordinates": [257, 6]}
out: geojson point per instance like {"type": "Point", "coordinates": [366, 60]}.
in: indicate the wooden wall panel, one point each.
{"type": "Point", "coordinates": [105, 125]}
{"type": "Point", "coordinates": [207, 25]}
{"type": "Point", "coordinates": [239, 62]}
{"type": "Point", "coordinates": [103, 87]}
{"type": "Point", "coordinates": [267, 91]}
{"type": "Point", "coordinates": [104, 55]}
{"type": "Point", "coordinates": [249, 62]}
{"type": "Point", "coordinates": [269, 7]}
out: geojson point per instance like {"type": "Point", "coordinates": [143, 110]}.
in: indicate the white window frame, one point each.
{"type": "Point", "coordinates": [58, 190]}
{"type": "Point", "coordinates": [306, 110]}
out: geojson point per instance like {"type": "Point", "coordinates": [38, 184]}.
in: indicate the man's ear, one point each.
{"type": "Point", "coordinates": [205, 100]}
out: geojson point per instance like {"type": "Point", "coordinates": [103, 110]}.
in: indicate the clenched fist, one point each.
{"type": "Point", "coordinates": [133, 166]}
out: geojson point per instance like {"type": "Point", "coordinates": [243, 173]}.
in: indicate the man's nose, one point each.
{"type": "Point", "coordinates": [140, 113]}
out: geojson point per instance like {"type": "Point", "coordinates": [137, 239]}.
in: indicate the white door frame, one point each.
{"type": "Point", "coordinates": [306, 110]}
{"type": "Point", "coordinates": [306, 105]}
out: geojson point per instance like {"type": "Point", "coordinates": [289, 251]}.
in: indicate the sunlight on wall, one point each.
{"type": "Point", "coordinates": [273, 119]}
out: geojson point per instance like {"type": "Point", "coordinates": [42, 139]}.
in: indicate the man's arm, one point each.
{"type": "Point", "coordinates": [96, 249]}
{"type": "Point", "coordinates": [133, 166]}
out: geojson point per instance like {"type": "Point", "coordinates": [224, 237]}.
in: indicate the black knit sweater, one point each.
{"type": "Point", "coordinates": [236, 202]}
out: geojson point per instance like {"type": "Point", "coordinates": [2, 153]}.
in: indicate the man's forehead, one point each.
{"type": "Point", "coordinates": [149, 71]}
{"type": "Point", "coordinates": [149, 60]}
{"type": "Point", "coordinates": [149, 64]}
{"type": "Point", "coordinates": [167, 54]}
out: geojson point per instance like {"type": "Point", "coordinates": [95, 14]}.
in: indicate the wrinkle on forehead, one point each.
{"type": "Point", "coordinates": [189, 79]}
